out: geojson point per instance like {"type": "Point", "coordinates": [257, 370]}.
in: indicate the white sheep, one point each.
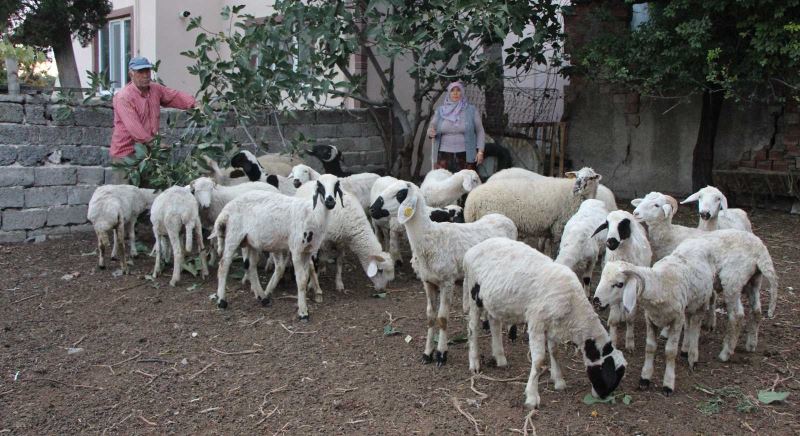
{"type": "Point", "coordinates": [256, 172]}
{"type": "Point", "coordinates": [604, 194]}
{"type": "Point", "coordinates": [112, 207]}
{"type": "Point", "coordinates": [714, 213]}
{"type": "Point", "coordinates": [538, 207]}
{"type": "Point", "coordinates": [266, 221]}
{"type": "Point", "coordinates": [358, 185]}
{"type": "Point", "coordinates": [212, 196]}
{"type": "Point", "coordinates": [657, 210]}
{"type": "Point", "coordinates": [513, 283]}
{"type": "Point", "coordinates": [441, 187]}
{"type": "Point", "coordinates": [437, 252]}
{"type": "Point", "coordinates": [580, 246]}
{"type": "Point", "coordinates": [626, 240]}
{"type": "Point", "coordinates": [172, 211]}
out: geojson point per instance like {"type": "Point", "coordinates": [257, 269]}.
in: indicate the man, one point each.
{"type": "Point", "coordinates": [137, 110]}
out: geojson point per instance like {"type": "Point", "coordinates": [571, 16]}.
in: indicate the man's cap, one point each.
{"type": "Point", "coordinates": [139, 63]}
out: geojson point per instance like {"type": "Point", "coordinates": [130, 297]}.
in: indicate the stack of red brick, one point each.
{"type": "Point", "coordinates": [784, 155]}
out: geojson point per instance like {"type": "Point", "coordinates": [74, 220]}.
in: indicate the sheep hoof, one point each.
{"type": "Point", "coordinates": [441, 358]}
{"type": "Point", "coordinates": [103, 267]}
{"type": "Point", "coordinates": [685, 354]}
{"type": "Point", "coordinates": [222, 304]}
{"type": "Point", "coordinates": [303, 318]}
{"type": "Point", "coordinates": [485, 325]}
{"type": "Point", "coordinates": [512, 333]}
{"type": "Point", "coordinates": [426, 358]}
{"type": "Point", "coordinates": [266, 301]}
{"type": "Point", "coordinates": [644, 383]}
{"type": "Point", "coordinates": [398, 264]}
{"type": "Point", "coordinates": [667, 390]}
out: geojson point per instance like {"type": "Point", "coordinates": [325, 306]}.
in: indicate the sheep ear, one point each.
{"type": "Point", "coordinates": [317, 193]}
{"type": "Point", "coordinates": [372, 269]}
{"type": "Point", "coordinates": [191, 187]}
{"type": "Point", "coordinates": [667, 210]}
{"type": "Point", "coordinates": [629, 293]}
{"type": "Point", "coordinates": [597, 177]}
{"type": "Point", "coordinates": [407, 208]}
{"type": "Point", "coordinates": [601, 228]}
{"type": "Point", "coordinates": [691, 198]}
{"type": "Point", "coordinates": [570, 175]}
{"type": "Point", "coordinates": [723, 203]}
{"type": "Point", "coordinates": [636, 201]}
{"type": "Point", "coordinates": [470, 182]}
{"type": "Point", "coordinates": [337, 190]}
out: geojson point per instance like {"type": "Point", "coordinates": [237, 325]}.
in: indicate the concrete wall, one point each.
{"type": "Point", "coordinates": [49, 169]}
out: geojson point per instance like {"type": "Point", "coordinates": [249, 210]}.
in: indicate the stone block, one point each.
{"type": "Point", "coordinates": [12, 237]}
{"type": "Point", "coordinates": [350, 130]}
{"type": "Point", "coordinates": [81, 228]}
{"type": "Point", "coordinates": [17, 134]}
{"type": "Point", "coordinates": [59, 216]}
{"type": "Point", "coordinates": [60, 115]}
{"type": "Point", "coordinates": [373, 157]}
{"type": "Point", "coordinates": [85, 155]}
{"type": "Point", "coordinates": [94, 116]}
{"type": "Point", "coordinates": [11, 113]}
{"type": "Point", "coordinates": [324, 131]}
{"type": "Point", "coordinates": [35, 114]}
{"type": "Point", "coordinates": [16, 176]}
{"type": "Point", "coordinates": [32, 155]}
{"type": "Point", "coordinates": [109, 176]}
{"type": "Point", "coordinates": [6, 98]}
{"type": "Point", "coordinates": [343, 144]}
{"type": "Point", "coordinates": [91, 175]}
{"type": "Point", "coordinates": [367, 144]}
{"type": "Point", "coordinates": [47, 196]}
{"type": "Point", "coordinates": [370, 129]}
{"type": "Point", "coordinates": [97, 136]}
{"type": "Point", "coordinates": [27, 219]}
{"type": "Point", "coordinates": [12, 197]}
{"type": "Point", "coordinates": [296, 117]}
{"type": "Point", "coordinates": [49, 232]}
{"type": "Point", "coordinates": [8, 154]}
{"type": "Point", "coordinates": [55, 175]}
{"type": "Point", "coordinates": [330, 117]}
{"type": "Point", "coordinates": [356, 116]}
{"type": "Point", "coordinates": [60, 135]}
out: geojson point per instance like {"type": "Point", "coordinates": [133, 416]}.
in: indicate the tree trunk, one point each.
{"type": "Point", "coordinates": [68, 75]}
{"type": "Point", "coordinates": [703, 156]}
{"type": "Point", "coordinates": [495, 124]}
{"type": "Point", "coordinates": [12, 75]}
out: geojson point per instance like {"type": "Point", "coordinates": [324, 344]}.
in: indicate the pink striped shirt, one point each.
{"type": "Point", "coordinates": [136, 114]}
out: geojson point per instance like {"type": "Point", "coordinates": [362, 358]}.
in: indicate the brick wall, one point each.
{"type": "Point", "coordinates": [783, 153]}
{"type": "Point", "coordinates": [50, 168]}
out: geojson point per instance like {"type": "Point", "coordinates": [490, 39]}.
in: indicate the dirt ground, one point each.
{"type": "Point", "coordinates": [155, 359]}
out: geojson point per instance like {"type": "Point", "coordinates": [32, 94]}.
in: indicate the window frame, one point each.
{"type": "Point", "coordinates": [121, 14]}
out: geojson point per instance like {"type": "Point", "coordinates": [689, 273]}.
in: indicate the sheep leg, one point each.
{"type": "Point", "coordinates": [670, 353]}
{"type": "Point", "coordinates": [555, 370]}
{"type": "Point", "coordinates": [649, 354]}
{"type": "Point", "coordinates": [252, 274]}
{"type": "Point", "coordinates": [201, 247]}
{"type": "Point", "coordinates": [630, 319]}
{"type": "Point", "coordinates": [229, 250]}
{"type": "Point", "coordinates": [473, 333]}
{"type": "Point", "coordinates": [339, 268]}
{"type": "Point", "coordinates": [132, 238]}
{"type": "Point", "coordinates": [445, 295]}
{"type": "Point", "coordinates": [114, 246]}
{"type": "Point", "coordinates": [614, 318]}
{"type": "Point", "coordinates": [315, 283]}
{"type": "Point", "coordinates": [279, 260]}
{"type": "Point", "coordinates": [120, 232]}
{"type": "Point", "coordinates": [395, 237]}
{"type": "Point", "coordinates": [710, 321]}
{"type": "Point", "coordinates": [753, 289]}
{"type": "Point", "coordinates": [537, 342]}
{"type": "Point", "coordinates": [431, 294]}
{"type": "Point", "coordinates": [691, 334]}
{"type": "Point", "coordinates": [499, 354]}
{"type": "Point", "coordinates": [301, 272]}
{"type": "Point", "coordinates": [177, 254]}
{"type": "Point", "coordinates": [101, 236]}
{"type": "Point", "coordinates": [157, 249]}
{"type": "Point", "coordinates": [735, 316]}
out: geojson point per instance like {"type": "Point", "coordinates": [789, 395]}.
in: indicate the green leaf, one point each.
{"type": "Point", "coordinates": [379, 295]}
{"type": "Point", "coordinates": [458, 339]}
{"type": "Point", "coordinates": [627, 399]}
{"type": "Point", "coordinates": [769, 397]}
{"type": "Point", "coordinates": [390, 331]}
{"type": "Point", "coordinates": [189, 267]}
{"type": "Point", "coordinates": [589, 399]}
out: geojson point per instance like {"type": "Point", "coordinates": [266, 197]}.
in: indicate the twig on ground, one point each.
{"type": "Point", "coordinates": [293, 332]}
{"type": "Point", "coordinates": [156, 377]}
{"type": "Point", "coordinates": [76, 343]}
{"type": "Point", "coordinates": [254, 322]}
{"type": "Point", "coordinates": [135, 285]}
{"type": "Point", "coordinates": [393, 319]}
{"type": "Point", "coordinates": [210, 409]}
{"type": "Point", "coordinates": [6, 392]}
{"type": "Point", "coordinates": [26, 298]}
{"type": "Point", "coordinates": [123, 420]}
{"type": "Point", "coordinates": [97, 388]}
{"type": "Point", "coordinates": [340, 391]}
{"type": "Point", "coordinates": [283, 429]}
{"type": "Point", "coordinates": [466, 415]}
{"type": "Point", "coordinates": [266, 415]}
{"type": "Point", "coordinates": [147, 421]}
{"type": "Point", "coordinates": [153, 360]}
{"type": "Point", "coordinates": [138, 371]}
{"type": "Point", "coordinates": [191, 377]}
{"type": "Point", "coordinates": [111, 367]}
{"type": "Point", "coordinates": [234, 353]}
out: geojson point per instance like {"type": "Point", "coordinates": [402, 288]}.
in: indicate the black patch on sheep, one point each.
{"type": "Point", "coordinates": [401, 195]}
{"type": "Point", "coordinates": [337, 190]}
{"type": "Point", "coordinates": [235, 174]}
{"type": "Point", "coordinates": [272, 179]}
{"type": "Point", "coordinates": [266, 302]}
{"type": "Point", "coordinates": [512, 333]}
{"type": "Point", "coordinates": [608, 348]}
{"type": "Point", "coordinates": [605, 378]}
{"type": "Point", "coordinates": [440, 216]}
{"type": "Point", "coordinates": [297, 183]}
{"type": "Point", "coordinates": [320, 192]}
{"type": "Point", "coordinates": [476, 294]}
{"type": "Point", "coordinates": [303, 318]}
{"type": "Point", "coordinates": [376, 210]}
{"type": "Point", "coordinates": [251, 169]}
{"type": "Point", "coordinates": [310, 237]}
{"type": "Point", "coordinates": [612, 244]}
{"type": "Point", "coordinates": [590, 350]}
{"type": "Point", "coordinates": [587, 281]}
{"type": "Point", "coordinates": [222, 304]}
{"type": "Point", "coordinates": [457, 215]}
{"type": "Point", "coordinates": [246, 263]}
{"type": "Point", "coordinates": [624, 229]}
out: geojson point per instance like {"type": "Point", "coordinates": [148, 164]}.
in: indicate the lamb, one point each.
{"type": "Point", "coordinates": [626, 240]}
{"type": "Point", "coordinates": [714, 213]}
{"type": "Point", "coordinates": [438, 250]}
{"type": "Point", "coordinates": [580, 245]}
{"type": "Point", "coordinates": [358, 185]}
{"type": "Point", "coordinates": [112, 207]}
{"type": "Point", "coordinates": [212, 197]}
{"type": "Point", "coordinates": [441, 187]}
{"type": "Point", "coordinates": [657, 210]}
{"type": "Point", "coordinates": [255, 172]}
{"type": "Point", "coordinates": [513, 283]}
{"type": "Point", "coordinates": [603, 193]}
{"type": "Point", "coordinates": [173, 210]}
{"type": "Point", "coordinates": [266, 221]}
{"type": "Point", "coordinates": [538, 207]}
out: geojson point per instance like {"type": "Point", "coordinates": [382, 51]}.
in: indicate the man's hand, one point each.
{"type": "Point", "coordinates": [479, 158]}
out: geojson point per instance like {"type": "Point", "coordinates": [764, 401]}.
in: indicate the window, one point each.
{"type": "Point", "coordinates": [114, 51]}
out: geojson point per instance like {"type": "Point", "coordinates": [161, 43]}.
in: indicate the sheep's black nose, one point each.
{"type": "Point", "coordinates": [376, 209]}
{"type": "Point", "coordinates": [612, 244]}
{"type": "Point", "coordinates": [330, 202]}
{"type": "Point", "coordinates": [297, 183]}
{"type": "Point", "coordinates": [705, 215]}
{"type": "Point", "coordinates": [596, 301]}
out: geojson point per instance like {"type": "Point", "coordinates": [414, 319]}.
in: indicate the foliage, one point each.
{"type": "Point", "coordinates": [744, 403]}
{"type": "Point", "coordinates": [746, 49]}
{"type": "Point", "coordinates": [299, 57]}
{"type": "Point", "coordinates": [45, 23]}
{"type": "Point", "coordinates": [154, 166]}
{"type": "Point", "coordinates": [769, 397]}
{"type": "Point", "coordinates": [590, 399]}
{"type": "Point", "coordinates": [28, 59]}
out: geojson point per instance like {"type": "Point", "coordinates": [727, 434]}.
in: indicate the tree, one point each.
{"type": "Point", "coordinates": [296, 58]}
{"type": "Point", "coordinates": [52, 23]}
{"type": "Point", "coordinates": [722, 49]}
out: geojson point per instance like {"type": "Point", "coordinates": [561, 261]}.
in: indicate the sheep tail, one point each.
{"type": "Point", "coordinates": [189, 227]}
{"type": "Point", "coordinates": [768, 271]}
{"type": "Point", "coordinates": [468, 284]}
{"type": "Point", "coordinates": [219, 231]}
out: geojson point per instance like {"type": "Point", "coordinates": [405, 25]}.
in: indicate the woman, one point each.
{"type": "Point", "coordinates": [457, 133]}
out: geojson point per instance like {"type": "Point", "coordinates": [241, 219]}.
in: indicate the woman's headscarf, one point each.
{"type": "Point", "coordinates": [451, 110]}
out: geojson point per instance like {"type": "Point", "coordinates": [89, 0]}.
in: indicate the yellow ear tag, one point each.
{"type": "Point", "coordinates": [408, 212]}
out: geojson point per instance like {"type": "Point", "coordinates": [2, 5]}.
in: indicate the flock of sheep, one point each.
{"type": "Point", "coordinates": [674, 274]}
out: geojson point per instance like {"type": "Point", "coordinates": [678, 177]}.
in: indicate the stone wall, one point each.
{"type": "Point", "coordinates": [49, 168]}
